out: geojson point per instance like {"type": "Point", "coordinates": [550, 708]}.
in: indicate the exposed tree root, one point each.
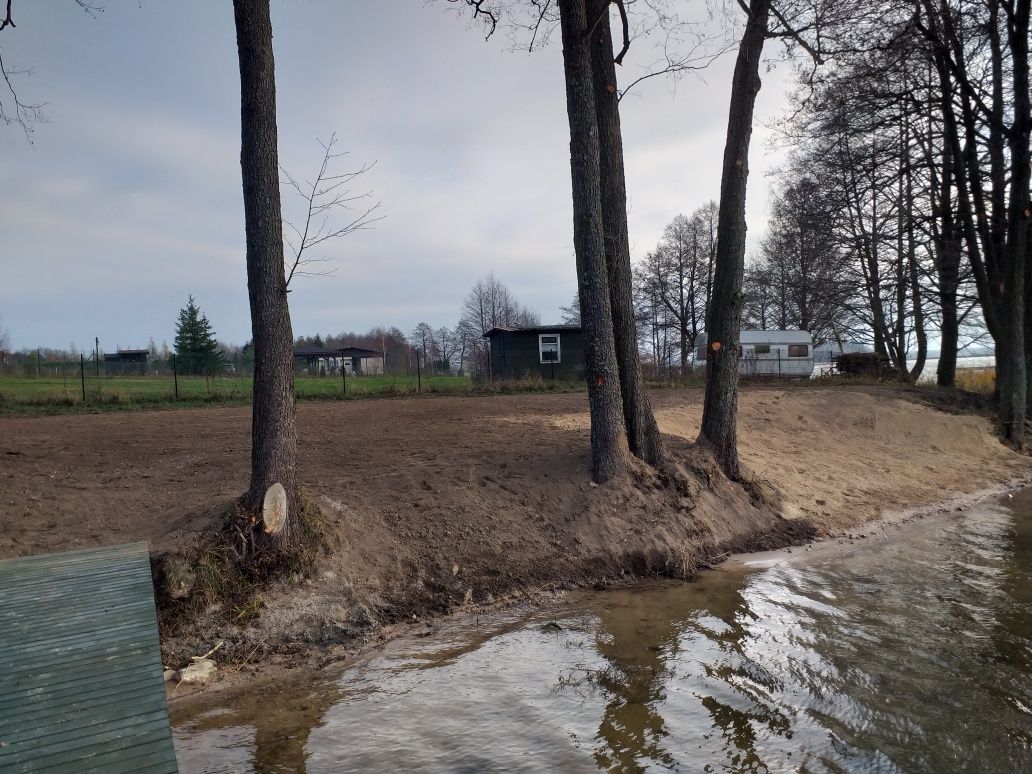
{"type": "Point", "coordinates": [233, 562]}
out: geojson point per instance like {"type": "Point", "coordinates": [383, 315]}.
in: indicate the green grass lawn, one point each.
{"type": "Point", "coordinates": [50, 395]}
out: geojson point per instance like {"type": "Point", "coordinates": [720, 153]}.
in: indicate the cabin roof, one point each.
{"type": "Point", "coordinates": [533, 329]}
{"type": "Point", "coordinates": [336, 352]}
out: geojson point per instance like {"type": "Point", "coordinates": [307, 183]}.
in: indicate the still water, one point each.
{"type": "Point", "coordinates": [912, 654]}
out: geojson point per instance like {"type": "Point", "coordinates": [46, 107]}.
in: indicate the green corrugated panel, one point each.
{"type": "Point", "coordinates": [81, 684]}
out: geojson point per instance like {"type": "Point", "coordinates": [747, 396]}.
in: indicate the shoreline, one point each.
{"type": "Point", "coordinates": [881, 530]}
{"type": "Point", "coordinates": [343, 656]}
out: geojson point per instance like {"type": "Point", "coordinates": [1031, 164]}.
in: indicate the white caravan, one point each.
{"type": "Point", "coordinates": [768, 353]}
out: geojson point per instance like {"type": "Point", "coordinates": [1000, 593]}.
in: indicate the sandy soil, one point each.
{"type": "Point", "coordinates": [436, 503]}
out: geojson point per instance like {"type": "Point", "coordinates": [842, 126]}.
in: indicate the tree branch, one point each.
{"type": "Point", "coordinates": [8, 21]}
{"type": "Point", "coordinates": [543, 9]}
{"type": "Point", "coordinates": [478, 10]}
{"type": "Point", "coordinates": [618, 59]}
{"type": "Point", "coordinates": [323, 196]}
{"type": "Point", "coordinates": [817, 58]}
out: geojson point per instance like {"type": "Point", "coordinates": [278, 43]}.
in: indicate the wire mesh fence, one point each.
{"type": "Point", "coordinates": [34, 384]}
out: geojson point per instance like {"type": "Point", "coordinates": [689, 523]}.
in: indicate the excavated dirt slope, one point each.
{"type": "Point", "coordinates": [434, 503]}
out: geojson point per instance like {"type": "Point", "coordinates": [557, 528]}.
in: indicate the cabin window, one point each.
{"type": "Point", "coordinates": [798, 350]}
{"type": "Point", "coordinates": [548, 347]}
{"type": "Point", "coordinates": [762, 349]}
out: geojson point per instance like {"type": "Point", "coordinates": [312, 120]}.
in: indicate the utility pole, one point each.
{"type": "Point", "coordinates": [96, 354]}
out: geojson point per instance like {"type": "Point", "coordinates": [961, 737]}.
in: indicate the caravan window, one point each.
{"type": "Point", "coordinates": [762, 349]}
{"type": "Point", "coordinates": [798, 350]}
{"type": "Point", "coordinates": [548, 347]}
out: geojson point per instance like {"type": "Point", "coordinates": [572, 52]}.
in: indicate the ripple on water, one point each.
{"type": "Point", "coordinates": [910, 656]}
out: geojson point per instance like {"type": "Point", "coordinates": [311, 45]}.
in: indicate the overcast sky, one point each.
{"type": "Point", "coordinates": [129, 198]}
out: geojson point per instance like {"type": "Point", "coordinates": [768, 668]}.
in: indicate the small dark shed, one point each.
{"type": "Point", "coordinates": [548, 351]}
{"type": "Point", "coordinates": [127, 356]}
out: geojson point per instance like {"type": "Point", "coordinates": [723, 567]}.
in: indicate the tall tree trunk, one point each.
{"type": "Point", "coordinates": [273, 428]}
{"type": "Point", "coordinates": [608, 440]}
{"type": "Point", "coordinates": [947, 265]}
{"type": "Point", "coordinates": [1028, 322]}
{"type": "Point", "coordinates": [720, 411]}
{"type": "Point", "coordinates": [920, 332]}
{"type": "Point", "coordinates": [949, 336]}
{"type": "Point", "coordinates": [642, 430]}
{"type": "Point", "coordinates": [1019, 221]}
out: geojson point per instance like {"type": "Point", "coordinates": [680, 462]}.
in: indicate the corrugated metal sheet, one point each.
{"type": "Point", "coordinates": [81, 685]}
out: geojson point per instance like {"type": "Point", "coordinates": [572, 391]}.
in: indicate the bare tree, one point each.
{"type": "Point", "coordinates": [490, 304]}
{"type": "Point", "coordinates": [327, 194]}
{"type": "Point", "coordinates": [602, 177]}
{"type": "Point", "coordinates": [683, 268]}
{"type": "Point", "coordinates": [608, 439]}
{"type": "Point", "coordinates": [658, 328]}
{"type": "Point", "coordinates": [720, 409]}
{"type": "Point", "coordinates": [788, 20]}
{"type": "Point", "coordinates": [639, 420]}
{"type": "Point", "coordinates": [803, 262]}
{"type": "Point", "coordinates": [980, 52]}
{"type": "Point", "coordinates": [447, 342]}
{"type": "Point", "coordinates": [273, 425]}
{"type": "Point", "coordinates": [570, 315]}
{"type": "Point", "coordinates": [760, 297]}
{"type": "Point", "coordinates": [467, 339]}
{"type": "Point", "coordinates": [422, 338]}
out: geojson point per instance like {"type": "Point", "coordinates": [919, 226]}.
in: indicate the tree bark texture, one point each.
{"type": "Point", "coordinates": [608, 441]}
{"type": "Point", "coordinates": [1019, 219]}
{"type": "Point", "coordinates": [723, 324]}
{"type": "Point", "coordinates": [273, 427]}
{"type": "Point", "coordinates": [947, 267]}
{"type": "Point", "coordinates": [642, 431]}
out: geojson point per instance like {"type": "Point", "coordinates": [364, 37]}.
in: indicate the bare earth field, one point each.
{"type": "Point", "coordinates": [435, 503]}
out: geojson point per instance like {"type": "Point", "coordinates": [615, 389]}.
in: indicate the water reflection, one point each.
{"type": "Point", "coordinates": [913, 655]}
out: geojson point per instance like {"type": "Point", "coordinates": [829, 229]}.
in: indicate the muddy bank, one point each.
{"type": "Point", "coordinates": [432, 505]}
{"type": "Point", "coordinates": [875, 660]}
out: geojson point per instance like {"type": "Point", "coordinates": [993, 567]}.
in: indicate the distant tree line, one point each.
{"type": "Point", "coordinates": [905, 211]}
{"type": "Point", "coordinates": [462, 349]}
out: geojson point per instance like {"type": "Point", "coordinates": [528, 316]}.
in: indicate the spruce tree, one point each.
{"type": "Point", "coordinates": [196, 348]}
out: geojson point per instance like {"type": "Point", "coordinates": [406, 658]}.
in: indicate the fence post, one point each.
{"type": "Point", "coordinates": [344, 375]}
{"type": "Point", "coordinates": [82, 375]}
{"type": "Point", "coordinates": [175, 376]}
{"type": "Point", "coordinates": [419, 374]}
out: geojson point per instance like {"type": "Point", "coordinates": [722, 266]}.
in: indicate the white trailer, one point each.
{"type": "Point", "coordinates": [767, 353]}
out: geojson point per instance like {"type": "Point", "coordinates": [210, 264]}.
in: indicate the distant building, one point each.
{"type": "Point", "coordinates": [767, 353]}
{"type": "Point", "coordinates": [127, 356]}
{"type": "Point", "coordinates": [357, 361]}
{"type": "Point", "coordinates": [546, 351]}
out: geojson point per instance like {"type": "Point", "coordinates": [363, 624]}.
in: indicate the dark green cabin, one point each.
{"type": "Point", "coordinates": [545, 351]}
